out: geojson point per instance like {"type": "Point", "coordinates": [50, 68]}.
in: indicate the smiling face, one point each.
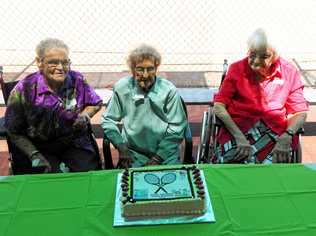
{"type": "Point", "coordinates": [145, 73]}
{"type": "Point", "coordinates": [54, 65]}
{"type": "Point", "coordinates": [260, 60]}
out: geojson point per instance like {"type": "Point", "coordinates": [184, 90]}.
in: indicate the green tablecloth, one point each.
{"type": "Point", "coordinates": [247, 200]}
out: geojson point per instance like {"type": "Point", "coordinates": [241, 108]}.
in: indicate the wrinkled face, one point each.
{"type": "Point", "coordinates": [145, 73]}
{"type": "Point", "coordinates": [260, 60]}
{"type": "Point", "coordinates": [54, 65]}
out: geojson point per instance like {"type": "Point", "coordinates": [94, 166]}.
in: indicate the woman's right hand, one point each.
{"type": "Point", "coordinates": [243, 146]}
{"type": "Point", "coordinates": [39, 161]}
{"type": "Point", "coordinates": [82, 122]}
{"type": "Point", "coordinates": [125, 161]}
{"type": "Point", "coordinates": [244, 151]}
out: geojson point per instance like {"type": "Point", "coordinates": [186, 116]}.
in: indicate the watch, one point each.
{"type": "Point", "coordinates": [290, 132]}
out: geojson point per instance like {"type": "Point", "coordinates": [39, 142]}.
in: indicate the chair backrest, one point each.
{"type": "Point", "coordinates": [6, 88]}
{"type": "Point", "coordinates": [3, 131]}
{"type": "Point", "coordinates": [188, 146]}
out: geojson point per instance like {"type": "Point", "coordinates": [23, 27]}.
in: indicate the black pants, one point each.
{"type": "Point", "coordinates": [76, 159]}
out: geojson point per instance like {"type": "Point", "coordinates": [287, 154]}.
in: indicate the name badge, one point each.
{"type": "Point", "coordinates": [278, 81]}
{"type": "Point", "coordinates": [138, 97]}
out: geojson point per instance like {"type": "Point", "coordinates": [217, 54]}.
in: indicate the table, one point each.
{"type": "Point", "coordinates": [275, 199]}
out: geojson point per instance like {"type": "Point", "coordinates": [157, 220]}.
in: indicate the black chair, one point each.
{"type": "Point", "coordinates": [3, 131]}
{"type": "Point", "coordinates": [106, 146]}
{"type": "Point", "coordinates": [210, 129]}
{"type": "Point", "coordinates": [17, 160]}
{"type": "Point", "coordinates": [188, 146]}
{"type": "Point", "coordinates": [6, 88]}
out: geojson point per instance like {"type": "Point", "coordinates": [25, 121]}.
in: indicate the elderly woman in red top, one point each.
{"type": "Point", "coordinates": [262, 106]}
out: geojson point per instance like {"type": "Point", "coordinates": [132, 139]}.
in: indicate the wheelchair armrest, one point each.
{"type": "Point", "coordinates": [300, 131]}
{"type": "Point", "coordinates": [3, 130]}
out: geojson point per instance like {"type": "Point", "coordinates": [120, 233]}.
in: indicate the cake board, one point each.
{"type": "Point", "coordinates": [207, 217]}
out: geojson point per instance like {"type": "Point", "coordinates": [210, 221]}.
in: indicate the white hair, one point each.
{"type": "Point", "coordinates": [142, 52]}
{"type": "Point", "coordinates": [259, 40]}
{"type": "Point", "coordinates": [48, 44]}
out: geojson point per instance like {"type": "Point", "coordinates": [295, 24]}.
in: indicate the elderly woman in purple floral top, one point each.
{"type": "Point", "coordinates": [48, 114]}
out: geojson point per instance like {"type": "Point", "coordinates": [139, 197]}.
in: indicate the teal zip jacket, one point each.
{"type": "Point", "coordinates": [154, 122]}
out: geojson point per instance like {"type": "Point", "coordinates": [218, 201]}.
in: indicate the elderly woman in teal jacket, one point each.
{"type": "Point", "coordinates": [151, 111]}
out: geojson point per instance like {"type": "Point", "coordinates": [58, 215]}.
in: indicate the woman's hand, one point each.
{"type": "Point", "coordinates": [282, 149]}
{"type": "Point", "coordinates": [82, 121]}
{"type": "Point", "coordinates": [243, 146]}
{"type": "Point", "coordinates": [125, 161]}
{"type": "Point", "coordinates": [39, 161]}
{"type": "Point", "coordinates": [155, 160]}
{"type": "Point", "coordinates": [244, 150]}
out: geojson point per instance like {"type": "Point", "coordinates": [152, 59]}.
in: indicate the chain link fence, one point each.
{"type": "Point", "coordinates": [193, 36]}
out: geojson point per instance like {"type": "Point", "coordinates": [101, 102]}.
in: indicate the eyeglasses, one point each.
{"type": "Point", "coordinates": [263, 56]}
{"type": "Point", "coordinates": [53, 63]}
{"type": "Point", "coordinates": [141, 70]}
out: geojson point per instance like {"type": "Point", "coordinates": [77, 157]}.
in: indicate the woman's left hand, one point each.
{"type": "Point", "coordinates": [282, 149]}
{"type": "Point", "coordinates": [82, 121]}
{"type": "Point", "coordinates": [155, 160]}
